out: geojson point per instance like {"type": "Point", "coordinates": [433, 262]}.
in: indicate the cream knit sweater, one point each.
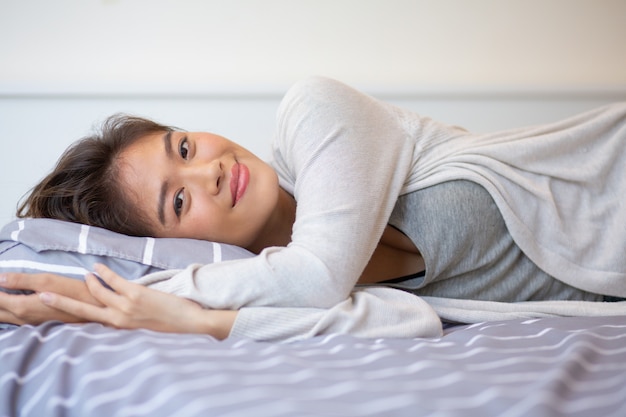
{"type": "Point", "coordinates": [346, 158]}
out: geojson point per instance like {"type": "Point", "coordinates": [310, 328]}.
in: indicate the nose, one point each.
{"type": "Point", "coordinates": [208, 175]}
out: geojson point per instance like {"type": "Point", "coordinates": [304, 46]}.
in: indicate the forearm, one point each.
{"type": "Point", "coordinates": [369, 313]}
{"type": "Point", "coordinates": [279, 277]}
{"type": "Point", "coordinates": [217, 323]}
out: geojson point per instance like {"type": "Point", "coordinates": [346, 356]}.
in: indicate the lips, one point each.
{"type": "Point", "coordinates": [240, 176]}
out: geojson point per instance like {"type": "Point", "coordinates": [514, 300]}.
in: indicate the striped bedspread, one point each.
{"type": "Point", "coordinates": [545, 367]}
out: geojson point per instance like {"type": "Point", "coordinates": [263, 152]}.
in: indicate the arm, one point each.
{"type": "Point", "coordinates": [370, 312]}
{"type": "Point", "coordinates": [345, 157]}
{"type": "Point", "coordinates": [129, 306]}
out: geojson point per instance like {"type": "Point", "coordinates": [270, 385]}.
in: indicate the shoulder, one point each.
{"type": "Point", "coordinates": [315, 87]}
{"type": "Point", "coordinates": [309, 109]}
{"type": "Point", "coordinates": [318, 110]}
{"type": "Point", "coordinates": [321, 103]}
{"type": "Point", "coordinates": [309, 118]}
{"type": "Point", "coordinates": [324, 96]}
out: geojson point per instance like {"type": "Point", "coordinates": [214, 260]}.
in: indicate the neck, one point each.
{"type": "Point", "coordinates": [277, 231]}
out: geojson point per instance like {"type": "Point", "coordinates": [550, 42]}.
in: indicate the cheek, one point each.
{"type": "Point", "coordinates": [271, 186]}
{"type": "Point", "coordinates": [204, 221]}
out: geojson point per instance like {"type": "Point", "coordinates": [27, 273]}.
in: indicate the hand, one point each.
{"type": "Point", "coordinates": [131, 306]}
{"type": "Point", "coordinates": [28, 309]}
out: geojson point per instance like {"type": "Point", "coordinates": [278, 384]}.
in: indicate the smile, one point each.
{"type": "Point", "coordinates": [240, 176]}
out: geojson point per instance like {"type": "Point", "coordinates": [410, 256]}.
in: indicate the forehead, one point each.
{"type": "Point", "coordinates": [143, 152]}
{"type": "Point", "coordinates": [141, 168]}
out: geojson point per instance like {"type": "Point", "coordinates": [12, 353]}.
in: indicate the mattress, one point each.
{"type": "Point", "coordinates": [540, 367]}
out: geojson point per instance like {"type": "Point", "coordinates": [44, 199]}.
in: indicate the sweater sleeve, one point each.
{"type": "Point", "coordinates": [368, 312]}
{"type": "Point", "coordinates": [345, 157]}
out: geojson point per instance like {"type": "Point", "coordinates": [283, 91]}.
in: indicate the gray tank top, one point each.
{"type": "Point", "coordinates": [468, 250]}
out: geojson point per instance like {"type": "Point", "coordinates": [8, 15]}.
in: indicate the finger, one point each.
{"type": "Point", "coordinates": [45, 282]}
{"type": "Point", "coordinates": [113, 280]}
{"type": "Point", "coordinates": [8, 317]}
{"type": "Point", "coordinates": [78, 309]}
{"type": "Point", "coordinates": [28, 309]}
{"type": "Point", "coordinates": [10, 304]}
{"type": "Point", "coordinates": [20, 281]}
{"type": "Point", "coordinates": [101, 293]}
{"type": "Point", "coordinates": [124, 290]}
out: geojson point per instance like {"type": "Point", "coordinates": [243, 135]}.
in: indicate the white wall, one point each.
{"type": "Point", "coordinates": [223, 65]}
{"type": "Point", "coordinates": [150, 42]}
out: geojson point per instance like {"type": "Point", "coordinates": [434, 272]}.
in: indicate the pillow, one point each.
{"type": "Point", "coordinates": [71, 249]}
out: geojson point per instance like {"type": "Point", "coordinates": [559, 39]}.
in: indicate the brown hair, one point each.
{"type": "Point", "coordinates": [84, 185]}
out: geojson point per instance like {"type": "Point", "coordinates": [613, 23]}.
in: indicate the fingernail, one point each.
{"type": "Point", "coordinates": [3, 279]}
{"type": "Point", "coordinates": [45, 297]}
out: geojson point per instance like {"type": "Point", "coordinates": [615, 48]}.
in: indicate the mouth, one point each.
{"type": "Point", "coordinates": [240, 176]}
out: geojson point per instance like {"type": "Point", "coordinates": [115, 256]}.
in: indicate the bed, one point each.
{"type": "Point", "coordinates": [574, 366]}
{"type": "Point", "coordinates": [545, 367]}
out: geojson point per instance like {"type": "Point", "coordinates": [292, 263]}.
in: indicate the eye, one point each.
{"type": "Point", "coordinates": [179, 202]}
{"type": "Point", "coordinates": [183, 148]}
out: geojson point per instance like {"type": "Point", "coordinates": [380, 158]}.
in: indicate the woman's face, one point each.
{"type": "Point", "coordinates": [199, 185]}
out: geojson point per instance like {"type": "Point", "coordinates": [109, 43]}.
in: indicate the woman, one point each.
{"type": "Point", "coordinates": [360, 191]}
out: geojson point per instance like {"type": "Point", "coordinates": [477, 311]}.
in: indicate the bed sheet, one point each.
{"type": "Point", "coordinates": [540, 367]}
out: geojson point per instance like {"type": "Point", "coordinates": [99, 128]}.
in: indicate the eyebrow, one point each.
{"type": "Point", "coordinates": [167, 145]}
